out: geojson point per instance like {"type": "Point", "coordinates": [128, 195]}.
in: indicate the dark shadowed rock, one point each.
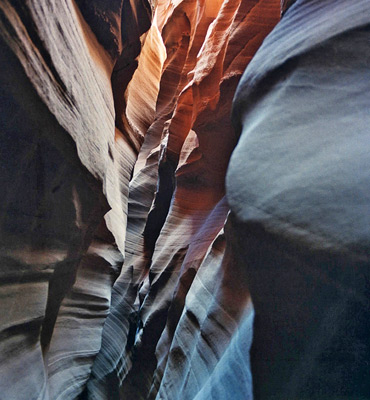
{"type": "Point", "coordinates": [300, 208]}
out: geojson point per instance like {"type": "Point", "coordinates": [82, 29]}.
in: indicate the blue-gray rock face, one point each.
{"type": "Point", "coordinates": [123, 273]}
{"type": "Point", "coordinates": [298, 185]}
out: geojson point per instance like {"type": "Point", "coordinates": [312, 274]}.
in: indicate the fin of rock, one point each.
{"type": "Point", "coordinates": [129, 262]}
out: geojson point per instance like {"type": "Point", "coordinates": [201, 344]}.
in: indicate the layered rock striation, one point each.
{"type": "Point", "coordinates": [128, 266]}
{"type": "Point", "coordinates": [117, 135]}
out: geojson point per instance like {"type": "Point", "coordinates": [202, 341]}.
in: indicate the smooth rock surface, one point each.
{"type": "Point", "coordinates": [124, 274]}
{"type": "Point", "coordinates": [299, 211]}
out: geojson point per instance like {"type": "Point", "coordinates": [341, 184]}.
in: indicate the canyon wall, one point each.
{"type": "Point", "coordinates": [300, 217]}
{"type": "Point", "coordinates": [116, 141]}
{"type": "Point", "coordinates": [129, 266]}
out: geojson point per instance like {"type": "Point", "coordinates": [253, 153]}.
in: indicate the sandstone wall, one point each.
{"type": "Point", "coordinates": [129, 266]}
{"type": "Point", "coordinates": [116, 138]}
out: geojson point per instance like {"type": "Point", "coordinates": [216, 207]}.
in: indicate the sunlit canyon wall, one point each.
{"type": "Point", "coordinates": [134, 240]}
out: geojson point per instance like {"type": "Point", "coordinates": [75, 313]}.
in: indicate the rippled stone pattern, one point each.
{"type": "Point", "coordinates": [116, 139]}
{"type": "Point", "coordinates": [171, 319]}
{"type": "Point", "coordinates": [129, 266]}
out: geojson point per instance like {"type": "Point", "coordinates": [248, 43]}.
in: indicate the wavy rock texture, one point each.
{"type": "Point", "coordinates": [300, 208]}
{"type": "Point", "coordinates": [64, 166]}
{"type": "Point", "coordinates": [177, 208]}
{"type": "Point", "coordinates": [117, 135]}
{"type": "Point", "coordinates": [124, 275]}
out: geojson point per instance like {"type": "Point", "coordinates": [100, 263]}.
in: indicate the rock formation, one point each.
{"type": "Point", "coordinates": [128, 265]}
{"type": "Point", "coordinates": [299, 220]}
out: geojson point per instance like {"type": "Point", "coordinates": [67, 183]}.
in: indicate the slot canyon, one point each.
{"type": "Point", "coordinates": [185, 202]}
